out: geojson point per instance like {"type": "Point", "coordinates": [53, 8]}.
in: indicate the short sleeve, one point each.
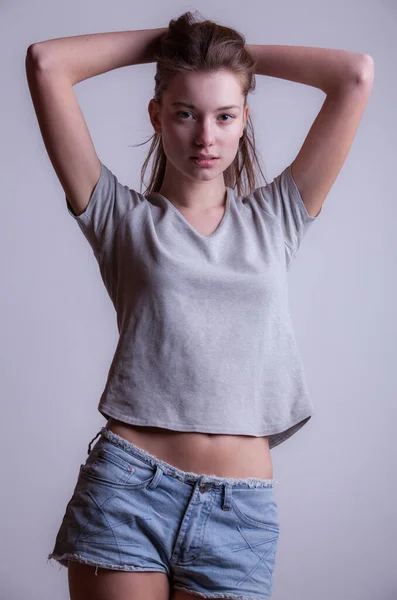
{"type": "Point", "coordinates": [282, 200]}
{"type": "Point", "coordinates": [110, 201]}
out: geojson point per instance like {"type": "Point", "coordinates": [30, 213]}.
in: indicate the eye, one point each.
{"type": "Point", "coordinates": [226, 115]}
{"type": "Point", "coordinates": [185, 112]}
{"type": "Point", "coordinates": [182, 112]}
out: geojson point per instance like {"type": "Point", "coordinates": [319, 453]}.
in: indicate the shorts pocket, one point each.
{"type": "Point", "coordinates": [256, 507]}
{"type": "Point", "coordinates": [109, 465]}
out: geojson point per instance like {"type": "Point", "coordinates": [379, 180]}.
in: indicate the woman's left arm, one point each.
{"type": "Point", "coordinates": [346, 78]}
{"type": "Point", "coordinates": [323, 68]}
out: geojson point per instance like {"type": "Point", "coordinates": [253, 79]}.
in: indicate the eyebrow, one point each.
{"type": "Point", "coordinates": [194, 107]}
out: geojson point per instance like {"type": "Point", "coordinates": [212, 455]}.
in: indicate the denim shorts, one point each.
{"type": "Point", "coordinates": [215, 537]}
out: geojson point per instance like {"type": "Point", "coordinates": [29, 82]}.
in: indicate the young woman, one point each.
{"type": "Point", "coordinates": [176, 498]}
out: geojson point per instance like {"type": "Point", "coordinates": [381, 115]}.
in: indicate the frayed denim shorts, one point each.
{"type": "Point", "coordinates": [215, 537]}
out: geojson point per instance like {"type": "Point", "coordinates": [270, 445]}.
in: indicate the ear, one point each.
{"type": "Point", "coordinates": [155, 115]}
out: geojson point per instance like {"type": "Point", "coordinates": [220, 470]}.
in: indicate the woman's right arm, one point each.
{"type": "Point", "coordinates": [53, 67]}
{"type": "Point", "coordinates": [83, 56]}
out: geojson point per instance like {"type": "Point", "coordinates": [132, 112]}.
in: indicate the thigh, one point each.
{"type": "Point", "coordinates": [87, 582]}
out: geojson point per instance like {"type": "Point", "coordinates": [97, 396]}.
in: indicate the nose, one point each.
{"type": "Point", "coordinates": [205, 134]}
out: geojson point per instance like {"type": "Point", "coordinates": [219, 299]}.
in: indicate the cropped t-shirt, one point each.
{"type": "Point", "coordinates": [206, 343]}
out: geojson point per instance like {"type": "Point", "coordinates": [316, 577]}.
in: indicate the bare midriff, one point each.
{"type": "Point", "coordinates": [239, 456]}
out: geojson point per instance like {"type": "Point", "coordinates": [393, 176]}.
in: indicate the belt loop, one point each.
{"type": "Point", "coordinates": [89, 445]}
{"type": "Point", "coordinates": [227, 497]}
{"type": "Point", "coordinates": [156, 478]}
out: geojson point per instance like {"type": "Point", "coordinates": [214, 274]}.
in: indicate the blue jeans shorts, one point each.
{"type": "Point", "coordinates": [215, 537]}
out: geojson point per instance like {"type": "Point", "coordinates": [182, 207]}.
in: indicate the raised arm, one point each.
{"type": "Point", "coordinates": [53, 67]}
{"type": "Point", "coordinates": [346, 78]}
{"type": "Point", "coordinates": [83, 56]}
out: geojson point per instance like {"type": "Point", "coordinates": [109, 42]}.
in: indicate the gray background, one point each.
{"type": "Point", "coordinates": [337, 476]}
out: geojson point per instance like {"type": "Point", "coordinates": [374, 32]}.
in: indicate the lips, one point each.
{"type": "Point", "coordinates": [204, 157]}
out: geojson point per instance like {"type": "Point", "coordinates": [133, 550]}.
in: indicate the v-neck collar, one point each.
{"type": "Point", "coordinates": [181, 216]}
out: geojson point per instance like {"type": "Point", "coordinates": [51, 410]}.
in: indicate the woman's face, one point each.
{"type": "Point", "coordinates": [204, 127]}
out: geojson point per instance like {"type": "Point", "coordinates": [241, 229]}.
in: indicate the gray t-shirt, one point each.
{"type": "Point", "coordinates": [206, 341]}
